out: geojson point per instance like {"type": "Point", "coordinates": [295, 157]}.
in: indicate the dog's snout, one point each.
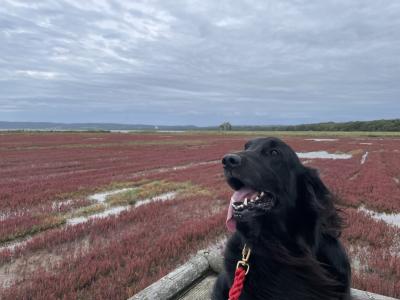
{"type": "Point", "coordinates": [231, 161]}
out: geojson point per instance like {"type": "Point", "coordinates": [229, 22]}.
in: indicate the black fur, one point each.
{"type": "Point", "coordinates": [296, 253]}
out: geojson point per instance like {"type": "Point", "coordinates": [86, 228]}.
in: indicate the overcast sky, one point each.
{"type": "Point", "coordinates": [199, 62]}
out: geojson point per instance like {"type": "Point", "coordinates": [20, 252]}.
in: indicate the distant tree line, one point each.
{"type": "Point", "coordinates": [377, 125]}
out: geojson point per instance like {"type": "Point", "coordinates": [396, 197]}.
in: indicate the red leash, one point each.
{"type": "Point", "coordinates": [242, 268]}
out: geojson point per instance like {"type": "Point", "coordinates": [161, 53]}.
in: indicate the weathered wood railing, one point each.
{"type": "Point", "coordinates": [179, 282]}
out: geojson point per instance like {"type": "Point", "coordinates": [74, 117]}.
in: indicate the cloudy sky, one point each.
{"type": "Point", "coordinates": [199, 62]}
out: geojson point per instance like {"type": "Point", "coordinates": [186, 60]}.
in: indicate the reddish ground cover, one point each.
{"type": "Point", "coordinates": [117, 256]}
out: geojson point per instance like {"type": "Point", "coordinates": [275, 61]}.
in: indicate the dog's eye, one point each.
{"type": "Point", "coordinates": [274, 152]}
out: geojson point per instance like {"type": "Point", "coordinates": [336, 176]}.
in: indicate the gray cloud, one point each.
{"type": "Point", "coordinates": [199, 62]}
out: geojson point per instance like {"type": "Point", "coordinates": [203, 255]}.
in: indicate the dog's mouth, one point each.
{"type": "Point", "coordinates": [263, 200]}
{"type": "Point", "coordinates": [246, 199]}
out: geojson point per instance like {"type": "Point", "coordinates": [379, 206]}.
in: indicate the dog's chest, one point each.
{"type": "Point", "coordinates": [269, 281]}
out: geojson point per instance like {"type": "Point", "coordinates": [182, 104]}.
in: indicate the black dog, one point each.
{"type": "Point", "coordinates": [285, 214]}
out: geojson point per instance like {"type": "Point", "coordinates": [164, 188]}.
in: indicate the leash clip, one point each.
{"type": "Point", "coordinates": [246, 253]}
{"type": "Point", "coordinates": [245, 258]}
{"type": "Point", "coordinates": [244, 265]}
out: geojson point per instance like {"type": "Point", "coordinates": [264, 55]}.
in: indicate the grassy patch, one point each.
{"type": "Point", "coordinates": [123, 198]}
{"type": "Point", "coordinates": [148, 190]}
{"type": "Point", "coordinates": [145, 189]}
{"type": "Point", "coordinates": [88, 210]}
{"type": "Point", "coordinates": [356, 151]}
{"type": "Point", "coordinates": [86, 192]}
{"type": "Point", "coordinates": [195, 190]}
{"type": "Point", "coordinates": [47, 223]}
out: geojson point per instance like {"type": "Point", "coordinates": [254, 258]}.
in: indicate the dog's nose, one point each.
{"type": "Point", "coordinates": [231, 161]}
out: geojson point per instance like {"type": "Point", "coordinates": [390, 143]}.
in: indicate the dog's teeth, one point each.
{"type": "Point", "coordinates": [252, 200]}
{"type": "Point", "coordinates": [262, 194]}
{"type": "Point", "coordinates": [245, 201]}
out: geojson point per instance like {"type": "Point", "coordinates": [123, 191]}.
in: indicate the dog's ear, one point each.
{"type": "Point", "coordinates": [318, 201]}
{"type": "Point", "coordinates": [306, 221]}
{"type": "Point", "coordinates": [314, 186]}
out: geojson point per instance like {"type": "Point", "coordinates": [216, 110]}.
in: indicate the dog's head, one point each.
{"type": "Point", "coordinates": [272, 186]}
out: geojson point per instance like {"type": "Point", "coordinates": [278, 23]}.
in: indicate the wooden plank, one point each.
{"type": "Point", "coordinates": [200, 291]}
{"type": "Point", "coordinates": [363, 295]}
{"type": "Point", "coordinates": [176, 281]}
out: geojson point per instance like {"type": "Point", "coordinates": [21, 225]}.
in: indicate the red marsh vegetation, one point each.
{"type": "Point", "coordinates": [47, 178]}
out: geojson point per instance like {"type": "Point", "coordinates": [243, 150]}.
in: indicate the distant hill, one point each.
{"type": "Point", "coordinates": [86, 126]}
{"type": "Point", "coordinates": [376, 125]}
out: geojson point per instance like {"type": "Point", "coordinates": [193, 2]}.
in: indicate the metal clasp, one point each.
{"type": "Point", "coordinates": [246, 253]}
{"type": "Point", "coordinates": [244, 264]}
{"type": "Point", "coordinates": [245, 258]}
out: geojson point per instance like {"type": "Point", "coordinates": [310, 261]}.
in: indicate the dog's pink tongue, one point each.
{"type": "Point", "coordinates": [238, 196]}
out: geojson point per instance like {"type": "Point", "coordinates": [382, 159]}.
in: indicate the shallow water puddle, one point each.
{"type": "Point", "coordinates": [108, 212]}
{"type": "Point", "coordinates": [162, 198]}
{"type": "Point", "coordinates": [393, 219]}
{"type": "Point", "coordinates": [322, 140]}
{"type": "Point", "coordinates": [323, 155]}
{"type": "Point", "coordinates": [116, 210]}
{"type": "Point", "coordinates": [364, 157]}
{"type": "Point", "coordinates": [101, 197]}
{"type": "Point", "coordinates": [12, 245]}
